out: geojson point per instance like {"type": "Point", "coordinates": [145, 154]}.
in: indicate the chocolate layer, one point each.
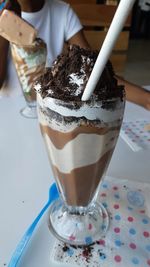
{"type": "Point", "coordinates": [80, 184]}
{"type": "Point", "coordinates": [60, 139]}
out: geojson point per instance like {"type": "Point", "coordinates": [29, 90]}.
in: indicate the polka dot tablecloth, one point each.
{"type": "Point", "coordinates": [135, 134]}
{"type": "Point", "coordinates": [127, 241]}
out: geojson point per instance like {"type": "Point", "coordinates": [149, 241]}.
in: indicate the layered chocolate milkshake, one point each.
{"type": "Point", "coordinates": [80, 136]}
{"type": "Point", "coordinates": [29, 62]}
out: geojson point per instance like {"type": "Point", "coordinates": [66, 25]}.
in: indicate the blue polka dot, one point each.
{"type": "Point", "coordinates": [148, 248]}
{"type": "Point", "coordinates": [103, 257]}
{"type": "Point", "coordinates": [103, 227]}
{"type": "Point", "coordinates": [104, 186]}
{"type": "Point", "coordinates": [118, 243]}
{"type": "Point", "coordinates": [135, 261]}
{"type": "Point", "coordinates": [70, 252]}
{"type": "Point", "coordinates": [145, 221]}
{"type": "Point", "coordinates": [130, 208]}
{"type": "Point", "coordinates": [117, 196]}
{"type": "Point", "coordinates": [117, 217]}
{"type": "Point", "coordinates": [132, 231]}
{"type": "Point", "coordinates": [88, 240]}
{"type": "Point", "coordinates": [105, 204]}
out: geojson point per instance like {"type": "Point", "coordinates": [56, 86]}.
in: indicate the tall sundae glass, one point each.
{"type": "Point", "coordinates": [80, 138]}
{"type": "Point", "coordinates": [30, 63]}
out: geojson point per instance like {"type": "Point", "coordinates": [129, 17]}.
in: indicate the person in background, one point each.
{"type": "Point", "coordinates": [57, 24]}
{"type": "Point", "coordinates": [4, 45]}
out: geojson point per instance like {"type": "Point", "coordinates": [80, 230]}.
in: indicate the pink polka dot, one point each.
{"type": "Point", "coordinates": [130, 219]}
{"type": "Point", "coordinates": [101, 242]}
{"type": "Point", "coordinates": [117, 230]}
{"type": "Point", "coordinates": [132, 245]}
{"type": "Point", "coordinates": [115, 188]}
{"type": "Point", "coordinates": [117, 258]}
{"type": "Point", "coordinates": [146, 234]}
{"type": "Point", "coordinates": [90, 226]}
{"type": "Point", "coordinates": [148, 262]}
{"type": "Point", "coordinates": [142, 211]}
{"type": "Point", "coordinates": [104, 215]}
{"type": "Point", "coordinates": [116, 206]}
{"type": "Point", "coordinates": [103, 195]}
{"type": "Point", "coordinates": [72, 237]}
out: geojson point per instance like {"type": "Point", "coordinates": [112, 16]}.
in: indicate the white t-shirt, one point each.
{"type": "Point", "coordinates": [56, 22]}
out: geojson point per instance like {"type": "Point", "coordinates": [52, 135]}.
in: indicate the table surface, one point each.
{"type": "Point", "coordinates": [25, 174]}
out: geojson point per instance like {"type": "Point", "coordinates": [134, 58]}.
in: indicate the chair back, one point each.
{"type": "Point", "coordinates": [96, 19]}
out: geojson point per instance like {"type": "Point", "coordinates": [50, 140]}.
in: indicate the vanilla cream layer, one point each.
{"type": "Point", "coordinates": [82, 151]}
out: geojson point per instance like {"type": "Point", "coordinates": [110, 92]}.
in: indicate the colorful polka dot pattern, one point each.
{"type": "Point", "coordinates": [127, 242]}
{"type": "Point", "coordinates": [135, 131]}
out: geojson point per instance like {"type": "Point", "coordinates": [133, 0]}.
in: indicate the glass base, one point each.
{"type": "Point", "coordinates": [29, 112]}
{"type": "Point", "coordinates": [78, 227]}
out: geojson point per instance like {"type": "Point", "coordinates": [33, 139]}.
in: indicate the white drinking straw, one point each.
{"type": "Point", "coordinates": [107, 47]}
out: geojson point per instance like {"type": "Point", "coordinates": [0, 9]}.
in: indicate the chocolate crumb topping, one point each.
{"type": "Point", "coordinates": [86, 250]}
{"type": "Point", "coordinates": [67, 78]}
